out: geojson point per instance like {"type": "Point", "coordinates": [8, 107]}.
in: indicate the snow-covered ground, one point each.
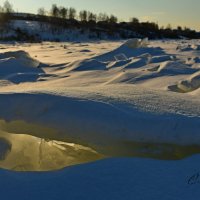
{"type": "Point", "coordinates": [41, 31]}
{"type": "Point", "coordinates": [132, 105]}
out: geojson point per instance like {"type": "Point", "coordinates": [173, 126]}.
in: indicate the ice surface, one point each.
{"type": "Point", "coordinates": [22, 152]}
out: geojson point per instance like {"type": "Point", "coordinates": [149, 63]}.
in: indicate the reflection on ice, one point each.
{"type": "Point", "coordinates": [23, 148]}
{"type": "Point", "coordinates": [21, 152]}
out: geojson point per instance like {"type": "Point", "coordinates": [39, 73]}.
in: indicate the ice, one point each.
{"type": "Point", "coordinates": [137, 43]}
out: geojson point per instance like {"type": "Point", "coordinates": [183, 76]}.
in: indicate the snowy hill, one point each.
{"type": "Point", "coordinates": [35, 28]}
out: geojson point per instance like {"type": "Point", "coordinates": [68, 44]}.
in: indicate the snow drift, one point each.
{"type": "Point", "coordinates": [18, 67]}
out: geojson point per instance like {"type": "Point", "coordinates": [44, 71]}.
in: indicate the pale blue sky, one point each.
{"type": "Point", "coordinates": [183, 12]}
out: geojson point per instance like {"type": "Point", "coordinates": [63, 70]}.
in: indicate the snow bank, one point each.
{"type": "Point", "coordinates": [131, 48]}
{"type": "Point", "coordinates": [22, 56]}
{"type": "Point", "coordinates": [159, 59]}
{"type": "Point", "coordinates": [108, 128]}
{"type": "Point", "coordinates": [189, 47]}
{"type": "Point", "coordinates": [87, 65]}
{"type": "Point", "coordinates": [19, 67]}
{"type": "Point", "coordinates": [172, 68]}
{"type": "Point", "coordinates": [192, 61]}
{"type": "Point", "coordinates": [136, 43]}
{"type": "Point", "coordinates": [189, 85]}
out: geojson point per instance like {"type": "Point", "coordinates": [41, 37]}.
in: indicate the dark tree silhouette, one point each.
{"type": "Point", "coordinates": [63, 12]}
{"type": "Point", "coordinates": [54, 10]}
{"type": "Point", "coordinates": [113, 19]}
{"type": "Point", "coordinates": [92, 17]}
{"type": "Point", "coordinates": [83, 15]}
{"type": "Point", "coordinates": [41, 11]}
{"type": "Point", "coordinates": [72, 13]}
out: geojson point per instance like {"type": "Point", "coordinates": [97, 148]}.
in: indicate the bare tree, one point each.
{"type": "Point", "coordinates": [169, 27]}
{"type": "Point", "coordinates": [8, 8]}
{"type": "Point", "coordinates": [134, 20]}
{"type": "Point", "coordinates": [63, 12]}
{"type": "Point", "coordinates": [54, 10]}
{"type": "Point", "coordinates": [103, 17]}
{"type": "Point", "coordinates": [113, 19]}
{"type": "Point", "coordinates": [179, 28]}
{"type": "Point", "coordinates": [42, 11]}
{"type": "Point", "coordinates": [83, 15]}
{"type": "Point", "coordinates": [5, 21]}
{"type": "Point", "coordinates": [72, 13]}
{"type": "Point", "coordinates": [92, 17]}
{"type": "Point", "coordinates": [1, 9]}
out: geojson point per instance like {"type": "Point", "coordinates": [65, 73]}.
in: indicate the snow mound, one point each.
{"type": "Point", "coordinates": [137, 63]}
{"type": "Point", "coordinates": [137, 43]}
{"type": "Point", "coordinates": [189, 85]}
{"type": "Point", "coordinates": [196, 47]}
{"type": "Point", "coordinates": [123, 77]}
{"type": "Point", "coordinates": [164, 58]}
{"type": "Point", "coordinates": [188, 47]}
{"type": "Point", "coordinates": [130, 49]}
{"type": "Point", "coordinates": [193, 60]}
{"type": "Point", "coordinates": [13, 70]}
{"type": "Point", "coordinates": [87, 65]}
{"type": "Point", "coordinates": [22, 56]}
{"type": "Point", "coordinates": [132, 63]}
{"type": "Point", "coordinates": [119, 63]}
{"type": "Point", "coordinates": [12, 65]}
{"type": "Point", "coordinates": [23, 77]}
{"type": "Point", "coordinates": [174, 68]}
{"type": "Point", "coordinates": [19, 67]}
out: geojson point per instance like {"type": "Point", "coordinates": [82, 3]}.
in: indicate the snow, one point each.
{"type": "Point", "coordinates": [135, 103]}
{"type": "Point", "coordinates": [108, 179]}
{"type": "Point", "coordinates": [44, 31]}
{"type": "Point", "coordinates": [185, 86]}
{"type": "Point", "coordinates": [19, 67]}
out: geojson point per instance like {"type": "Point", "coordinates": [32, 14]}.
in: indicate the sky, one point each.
{"type": "Point", "coordinates": [174, 12]}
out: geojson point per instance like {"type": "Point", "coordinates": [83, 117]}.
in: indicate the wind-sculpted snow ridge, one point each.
{"type": "Point", "coordinates": [110, 128]}
{"type": "Point", "coordinates": [188, 47]}
{"type": "Point", "coordinates": [23, 57]}
{"type": "Point", "coordinates": [18, 66]}
{"type": "Point", "coordinates": [193, 83]}
{"type": "Point", "coordinates": [88, 65]}
{"type": "Point", "coordinates": [131, 48]}
{"type": "Point", "coordinates": [138, 98]}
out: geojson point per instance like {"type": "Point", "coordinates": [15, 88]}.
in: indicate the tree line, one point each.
{"type": "Point", "coordinates": [112, 24]}
{"type": "Point", "coordinates": [71, 13]}
{"type": "Point", "coordinates": [60, 18]}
